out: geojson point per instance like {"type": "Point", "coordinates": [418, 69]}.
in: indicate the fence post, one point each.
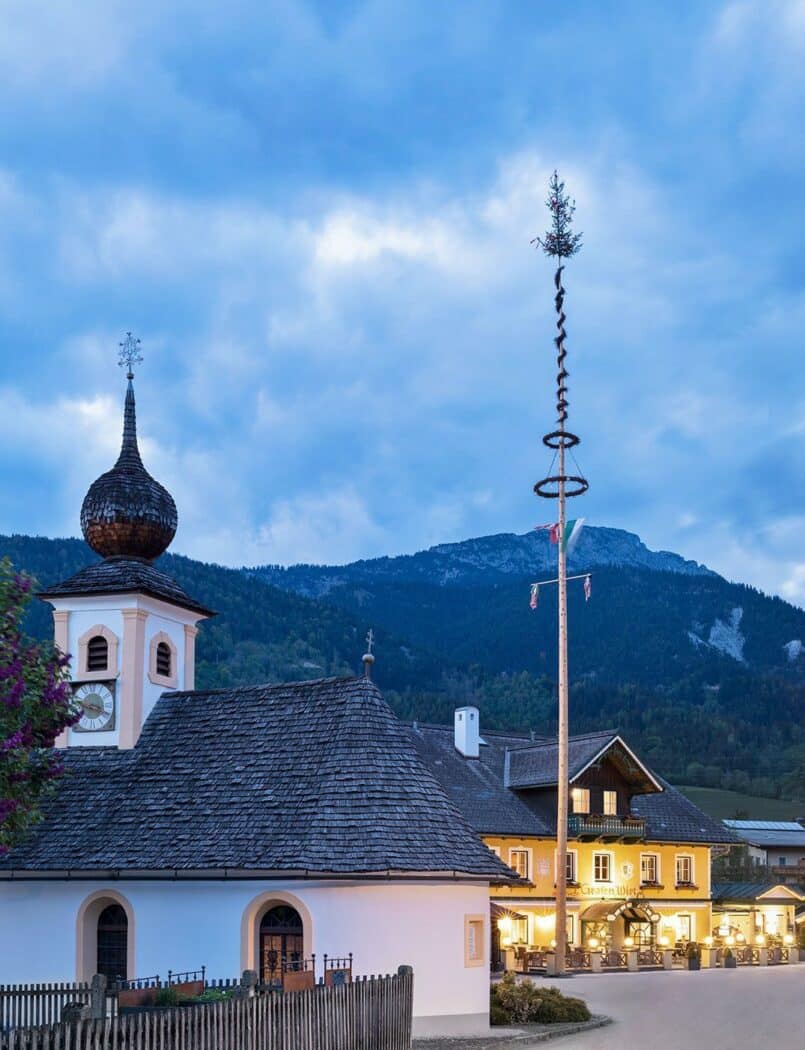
{"type": "Point", "coordinates": [248, 982]}
{"type": "Point", "coordinates": [97, 997]}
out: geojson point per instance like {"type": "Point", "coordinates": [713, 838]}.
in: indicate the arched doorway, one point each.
{"type": "Point", "coordinates": [113, 943]}
{"type": "Point", "coordinates": [281, 941]}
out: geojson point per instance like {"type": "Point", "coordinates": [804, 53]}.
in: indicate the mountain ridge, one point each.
{"type": "Point", "coordinates": [484, 558]}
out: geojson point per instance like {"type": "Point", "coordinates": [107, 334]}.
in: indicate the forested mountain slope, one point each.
{"type": "Point", "coordinates": [705, 677]}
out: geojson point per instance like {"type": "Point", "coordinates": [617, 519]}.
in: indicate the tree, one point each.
{"type": "Point", "coordinates": [35, 706]}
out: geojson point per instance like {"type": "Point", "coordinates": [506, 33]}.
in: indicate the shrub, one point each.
{"type": "Point", "coordinates": [166, 996]}
{"type": "Point", "coordinates": [213, 995]}
{"type": "Point", "coordinates": [522, 1002]}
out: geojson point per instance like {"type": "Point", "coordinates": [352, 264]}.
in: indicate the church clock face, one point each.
{"type": "Point", "coordinates": [97, 703]}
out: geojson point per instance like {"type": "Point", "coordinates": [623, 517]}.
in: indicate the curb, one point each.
{"type": "Point", "coordinates": [521, 1038]}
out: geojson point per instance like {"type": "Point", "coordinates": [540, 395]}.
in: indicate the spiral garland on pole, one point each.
{"type": "Point", "coordinates": [561, 243]}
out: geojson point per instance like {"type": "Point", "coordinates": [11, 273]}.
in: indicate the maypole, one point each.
{"type": "Point", "coordinates": [561, 243]}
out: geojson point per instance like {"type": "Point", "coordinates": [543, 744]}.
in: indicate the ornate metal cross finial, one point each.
{"type": "Point", "coordinates": [369, 656]}
{"type": "Point", "coordinates": [129, 354]}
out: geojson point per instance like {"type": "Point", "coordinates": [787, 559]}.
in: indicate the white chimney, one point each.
{"type": "Point", "coordinates": [467, 729]}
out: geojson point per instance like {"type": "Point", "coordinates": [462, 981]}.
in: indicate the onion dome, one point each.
{"type": "Point", "coordinates": [126, 512]}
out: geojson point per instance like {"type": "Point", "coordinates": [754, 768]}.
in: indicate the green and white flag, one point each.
{"type": "Point", "coordinates": [572, 532]}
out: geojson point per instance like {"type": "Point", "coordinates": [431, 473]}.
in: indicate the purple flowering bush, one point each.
{"type": "Point", "coordinates": [36, 704]}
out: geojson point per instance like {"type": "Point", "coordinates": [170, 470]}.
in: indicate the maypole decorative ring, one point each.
{"type": "Point", "coordinates": [560, 439]}
{"type": "Point", "coordinates": [548, 488]}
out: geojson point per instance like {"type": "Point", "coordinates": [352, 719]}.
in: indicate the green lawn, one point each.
{"type": "Point", "coordinates": [725, 804]}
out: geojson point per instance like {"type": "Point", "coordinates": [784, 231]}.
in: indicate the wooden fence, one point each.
{"type": "Point", "coordinates": [25, 1005]}
{"type": "Point", "coordinates": [368, 1014]}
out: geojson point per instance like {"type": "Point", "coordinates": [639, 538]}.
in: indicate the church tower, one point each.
{"type": "Point", "coordinates": [129, 628]}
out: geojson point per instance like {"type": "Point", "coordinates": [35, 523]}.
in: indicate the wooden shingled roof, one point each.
{"type": "Point", "coordinates": [303, 779]}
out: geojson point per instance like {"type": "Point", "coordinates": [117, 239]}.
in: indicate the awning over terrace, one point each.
{"type": "Point", "coordinates": [635, 911]}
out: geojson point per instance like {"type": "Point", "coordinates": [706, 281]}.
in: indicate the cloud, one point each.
{"type": "Point", "coordinates": [318, 218]}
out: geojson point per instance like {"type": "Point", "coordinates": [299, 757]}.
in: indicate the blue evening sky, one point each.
{"type": "Point", "coordinates": [317, 216]}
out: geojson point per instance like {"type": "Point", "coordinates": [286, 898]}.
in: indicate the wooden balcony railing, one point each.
{"type": "Point", "coordinates": [585, 826]}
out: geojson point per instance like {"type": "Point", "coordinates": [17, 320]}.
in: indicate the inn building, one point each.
{"type": "Point", "coordinates": [638, 862]}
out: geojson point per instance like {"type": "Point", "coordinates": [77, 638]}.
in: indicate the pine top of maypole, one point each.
{"type": "Point", "coordinates": [560, 241]}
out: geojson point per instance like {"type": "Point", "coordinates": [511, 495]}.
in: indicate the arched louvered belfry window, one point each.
{"type": "Point", "coordinates": [97, 653]}
{"type": "Point", "coordinates": [113, 942]}
{"type": "Point", "coordinates": [164, 660]}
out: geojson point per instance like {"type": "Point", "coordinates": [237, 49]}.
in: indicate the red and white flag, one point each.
{"type": "Point", "coordinates": [588, 587]}
{"type": "Point", "coordinates": [534, 595]}
{"type": "Point", "coordinates": [552, 530]}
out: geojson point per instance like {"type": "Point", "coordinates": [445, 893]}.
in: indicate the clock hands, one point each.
{"type": "Point", "coordinates": [93, 706]}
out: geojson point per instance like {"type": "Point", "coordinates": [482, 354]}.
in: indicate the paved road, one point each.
{"type": "Point", "coordinates": [713, 1009]}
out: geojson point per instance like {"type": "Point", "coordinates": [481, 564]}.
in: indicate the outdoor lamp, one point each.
{"type": "Point", "coordinates": [553, 942]}
{"type": "Point", "coordinates": [789, 938]}
{"type": "Point", "coordinates": [740, 937]}
{"type": "Point", "coordinates": [593, 942]}
{"type": "Point", "coordinates": [708, 941]}
{"type": "Point", "coordinates": [628, 942]}
{"type": "Point", "coordinates": [730, 940]}
{"type": "Point", "coordinates": [760, 939]}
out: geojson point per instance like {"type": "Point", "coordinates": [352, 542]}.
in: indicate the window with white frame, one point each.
{"type": "Point", "coordinates": [520, 930]}
{"type": "Point", "coordinates": [684, 870]}
{"type": "Point", "coordinates": [610, 803]}
{"type": "Point", "coordinates": [518, 859]}
{"type": "Point", "coordinates": [649, 869]}
{"type": "Point", "coordinates": [571, 866]}
{"type": "Point", "coordinates": [602, 867]}
{"type": "Point", "coordinates": [581, 800]}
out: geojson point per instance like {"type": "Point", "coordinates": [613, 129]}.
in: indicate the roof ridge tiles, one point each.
{"type": "Point", "coordinates": [263, 687]}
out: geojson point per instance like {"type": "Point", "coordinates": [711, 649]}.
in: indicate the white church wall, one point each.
{"type": "Point", "coordinates": [184, 925]}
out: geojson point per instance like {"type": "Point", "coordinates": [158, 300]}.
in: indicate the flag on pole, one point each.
{"type": "Point", "coordinates": [534, 595]}
{"type": "Point", "coordinates": [588, 587]}
{"type": "Point", "coordinates": [572, 532]}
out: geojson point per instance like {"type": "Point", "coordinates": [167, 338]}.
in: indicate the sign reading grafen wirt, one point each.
{"type": "Point", "coordinates": [600, 891]}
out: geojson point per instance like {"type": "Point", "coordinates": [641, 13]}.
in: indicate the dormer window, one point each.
{"type": "Point", "coordinates": [581, 800]}
{"type": "Point", "coordinates": [163, 660]}
{"type": "Point", "coordinates": [97, 654]}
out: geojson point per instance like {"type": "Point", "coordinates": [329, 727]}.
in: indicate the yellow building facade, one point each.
{"type": "Point", "coordinates": [655, 893]}
{"type": "Point", "coordinates": [638, 862]}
